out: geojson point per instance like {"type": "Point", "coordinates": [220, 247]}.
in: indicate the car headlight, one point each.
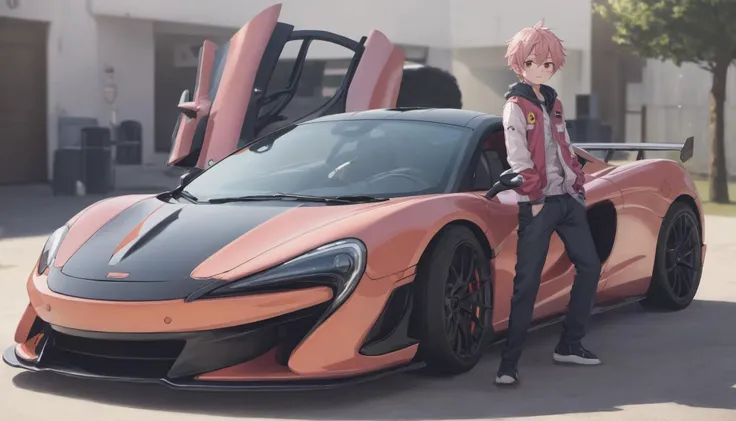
{"type": "Point", "coordinates": [339, 264]}
{"type": "Point", "coordinates": [51, 248]}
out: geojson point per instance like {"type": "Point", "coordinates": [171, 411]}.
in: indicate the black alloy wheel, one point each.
{"type": "Point", "coordinates": [683, 269]}
{"type": "Point", "coordinates": [467, 300]}
{"type": "Point", "coordinates": [678, 263]}
{"type": "Point", "coordinates": [454, 302]}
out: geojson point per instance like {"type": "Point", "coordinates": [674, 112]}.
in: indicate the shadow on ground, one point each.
{"type": "Point", "coordinates": [688, 358]}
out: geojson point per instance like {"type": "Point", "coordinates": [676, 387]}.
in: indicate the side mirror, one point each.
{"type": "Point", "coordinates": [508, 180]}
{"type": "Point", "coordinates": [511, 179]}
{"type": "Point", "coordinates": [189, 176]}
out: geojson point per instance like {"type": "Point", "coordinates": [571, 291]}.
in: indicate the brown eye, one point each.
{"type": "Point", "coordinates": [528, 63]}
{"type": "Point", "coordinates": [548, 65]}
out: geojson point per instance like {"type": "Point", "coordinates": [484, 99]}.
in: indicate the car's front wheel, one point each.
{"type": "Point", "coordinates": [454, 302]}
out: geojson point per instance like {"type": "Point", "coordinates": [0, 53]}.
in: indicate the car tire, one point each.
{"type": "Point", "coordinates": [678, 260]}
{"type": "Point", "coordinates": [438, 315]}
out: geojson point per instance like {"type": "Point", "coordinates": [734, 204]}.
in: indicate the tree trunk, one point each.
{"type": "Point", "coordinates": [718, 176]}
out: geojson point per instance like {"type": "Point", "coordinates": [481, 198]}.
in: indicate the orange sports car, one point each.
{"type": "Point", "coordinates": [355, 241]}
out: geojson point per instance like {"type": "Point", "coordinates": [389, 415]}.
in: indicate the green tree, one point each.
{"type": "Point", "coordinates": [696, 31]}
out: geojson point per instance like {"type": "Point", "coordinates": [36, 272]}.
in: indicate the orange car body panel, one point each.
{"type": "Point", "coordinates": [165, 316]}
{"type": "Point", "coordinates": [649, 188]}
{"type": "Point", "coordinates": [323, 355]}
{"type": "Point", "coordinates": [229, 107]}
{"type": "Point", "coordinates": [24, 326]}
{"type": "Point", "coordinates": [396, 233]}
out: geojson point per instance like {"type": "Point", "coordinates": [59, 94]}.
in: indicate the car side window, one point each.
{"type": "Point", "coordinates": [482, 178]}
{"type": "Point", "coordinates": [495, 165]}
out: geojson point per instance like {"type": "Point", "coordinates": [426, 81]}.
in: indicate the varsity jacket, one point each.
{"type": "Point", "coordinates": [538, 145]}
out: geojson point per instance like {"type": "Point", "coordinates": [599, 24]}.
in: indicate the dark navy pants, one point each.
{"type": "Point", "coordinates": [566, 216]}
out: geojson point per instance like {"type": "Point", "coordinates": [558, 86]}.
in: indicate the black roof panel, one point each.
{"type": "Point", "coordinates": [455, 117]}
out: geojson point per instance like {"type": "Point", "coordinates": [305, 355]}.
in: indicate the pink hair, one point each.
{"type": "Point", "coordinates": [539, 40]}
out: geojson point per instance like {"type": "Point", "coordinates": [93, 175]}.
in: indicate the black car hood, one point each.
{"type": "Point", "coordinates": [156, 241]}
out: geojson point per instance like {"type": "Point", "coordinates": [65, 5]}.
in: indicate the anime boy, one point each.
{"type": "Point", "coordinates": [552, 199]}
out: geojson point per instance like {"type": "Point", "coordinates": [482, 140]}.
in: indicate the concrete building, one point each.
{"type": "Point", "coordinates": [57, 55]}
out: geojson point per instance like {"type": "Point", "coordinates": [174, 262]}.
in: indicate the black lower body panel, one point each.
{"type": "Point", "coordinates": [176, 359]}
{"type": "Point", "coordinates": [152, 356]}
{"type": "Point", "coordinates": [11, 359]}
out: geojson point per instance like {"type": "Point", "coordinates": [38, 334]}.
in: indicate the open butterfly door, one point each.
{"type": "Point", "coordinates": [378, 75]}
{"type": "Point", "coordinates": [193, 108]}
{"type": "Point", "coordinates": [210, 124]}
{"type": "Point", "coordinates": [233, 103]}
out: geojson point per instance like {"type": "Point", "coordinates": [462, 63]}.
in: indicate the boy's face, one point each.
{"type": "Point", "coordinates": [537, 74]}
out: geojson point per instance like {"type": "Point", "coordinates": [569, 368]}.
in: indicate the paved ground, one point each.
{"type": "Point", "coordinates": [658, 366]}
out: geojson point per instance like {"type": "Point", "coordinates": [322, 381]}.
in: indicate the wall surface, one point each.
{"type": "Point", "coordinates": [439, 23]}
{"type": "Point", "coordinates": [74, 83]}
{"type": "Point", "coordinates": [466, 37]}
{"type": "Point", "coordinates": [480, 30]}
{"type": "Point", "coordinates": [484, 78]}
{"type": "Point", "coordinates": [498, 21]}
{"type": "Point", "coordinates": [677, 101]}
{"type": "Point", "coordinates": [421, 22]}
{"type": "Point", "coordinates": [127, 45]}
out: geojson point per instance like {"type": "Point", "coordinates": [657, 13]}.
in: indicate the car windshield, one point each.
{"type": "Point", "coordinates": [379, 158]}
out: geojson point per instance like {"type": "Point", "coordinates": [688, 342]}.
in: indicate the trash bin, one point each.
{"type": "Point", "coordinates": [70, 131]}
{"type": "Point", "coordinates": [67, 171]}
{"type": "Point", "coordinates": [68, 166]}
{"type": "Point", "coordinates": [97, 160]}
{"type": "Point", "coordinates": [128, 143]}
{"type": "Point", "coordinates": [586, 130]}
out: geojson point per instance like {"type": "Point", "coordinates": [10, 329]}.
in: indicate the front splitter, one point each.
{"type": "Point", "coordinates": [10, 358]}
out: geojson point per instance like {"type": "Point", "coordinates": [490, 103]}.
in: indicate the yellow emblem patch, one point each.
{"type": "Point", "coordinates": [531, 118]}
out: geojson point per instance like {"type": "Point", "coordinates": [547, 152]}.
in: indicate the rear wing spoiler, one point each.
{"type": "Point", "coordinates": [686, 149]}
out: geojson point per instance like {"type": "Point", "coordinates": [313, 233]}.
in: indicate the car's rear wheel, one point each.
{"type": "Point", "coordinates": [678, 262]}
{"type": "Point", "coordinates": [454, 303]}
